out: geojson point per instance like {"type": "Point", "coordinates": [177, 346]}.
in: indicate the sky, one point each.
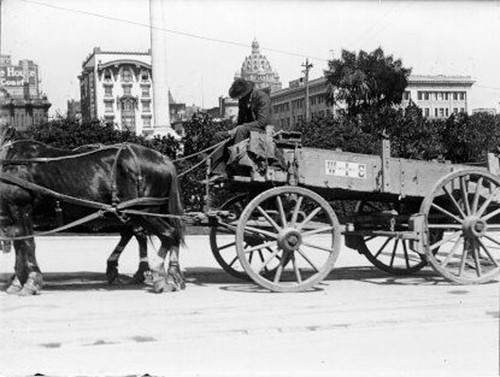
{"type": "Point", "coordinates": [208, 40]}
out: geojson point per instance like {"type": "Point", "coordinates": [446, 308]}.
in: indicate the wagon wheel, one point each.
{"type": "Point", "coordinates": [388, 253]}
{"type": "Point", "coordinates": [225, 252]}
{"type": "Point", "coordinates": [299, 231]}
{"type": "Point", "coordinates": [465, 205]}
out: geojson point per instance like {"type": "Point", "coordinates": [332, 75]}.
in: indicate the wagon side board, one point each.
{"type": "Point", "coordinates": [327, 169]}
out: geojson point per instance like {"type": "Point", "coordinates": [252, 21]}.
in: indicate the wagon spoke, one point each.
{"type": "Point", "coordinates": [487, 202]}
{"type": "Point", "coordinates": [464, 257]}
{"type": "Point", "coordinates": [228, 227]}
{"type": "Point", "coordinates": [394, 252]}
{"type": "Point", "coordinates": [492, 239]}
{"type": "Point", "coordinates": [279, 270]}
{"type": "Point", "coordinates": [382, 247]}
{"type": "Point", "coordinates": [407, 259]}
{"type": "Point", "coordinates": [226, 246]}
{"type": "Point", "coordinates": [296, 211]}
{"type": "Point", "coordinates": [309, 217]}
{"type": "Point", "coordinates": [259, 247]}
{"type": "Point", "coordinates": [475, 201]}
{"type": "Point", "coordinates": [316, 247]}
{"type": "Point", "coordinates": [491, 214]}
{"type": "Point", "coordinates": [446, 212]}
{"type": "Point", "coordinates": [477, 262]}
{"type": "Point", "coordinates": [296, 269]}
{"type": "Point", "coordinates": [260, 232]}
{"type": "Point", "coordinates": [445, 226]}
{"type": "Point", "coordinates": [268, 218]}
{"type": "Point", "coordinates": [444, 240]}
{"type": "Point", "coordinates": [464, 194]}
{"type": "Point", "coordinates": [233, 261]}
{"type": "Point", "coordinates": [454, 201]}
{"type": "Point", "coordinates": [281, 210]}
{"type": "Point", "coordinates": [268, 260]}
{"type": "Point", "coordinates": [488, 252]}
{"type": "Point", "coordinates": [451, 253]}
{"type": "Point", "coordinates": [303, 255]}
{"type": "Point", "coordinates": [316, 231]}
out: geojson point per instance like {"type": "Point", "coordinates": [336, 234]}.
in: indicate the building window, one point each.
{"type": "Point", "coordinates": [455, 110]}
{"type": "Point", "coordinates": [447, 112]}
{"type": "Point", "coordinates": [419, 95]}
{"type": "Point", "coordinates": [107, 75]}
{"type": "Point", "coordinates": [462, 96]}
{"type": "Point", "coordinates": [127, 89]}
{"type": "Point", "coordinates": [426, 96]}
{"type": "Point", "coordinates": [108, 91]}
{"type": "Point", "coordinates": [455, 96]}
{"type": "Point", "coordinates": [462, 110]}
{"type": "Point", "coordinates": [406, 95]}
{"type": "Point", "coordinates": [144, 76]}
{"type": "Point", "coordinates": [436, 112]}
{"type": "Point", "coordinates": [146, 122]}
{"type": "Point", "coordinates": [441, 112]}
{"type": "Point", "coordinates": [446, 96]}
{"type": "Point", "coordinates": [439, 96]}
{"type": "Point", "coordinates": [108, 106]}
{"type": "Point", "coordinates": [146, 106]}
{"type": "Point", "coordinates": [427, 112]}
{"type": "Point", "coordinates": [126, 75]}
{"type": "Point", "coordinates": [145, 90]}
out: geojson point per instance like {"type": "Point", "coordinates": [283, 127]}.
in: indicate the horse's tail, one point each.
{"type": "Point", "coordinates": [175, 208]}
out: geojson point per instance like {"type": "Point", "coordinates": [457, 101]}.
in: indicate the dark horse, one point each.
{"type": "Point", "coordinates": [119, 174]}
{"type": "Point", "coordinates": [24, 150]}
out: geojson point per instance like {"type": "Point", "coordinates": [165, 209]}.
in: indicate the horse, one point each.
{"type": "Point", "coordinates": [140, 179]}
{"type": "Point", "coordinates": [25, 150]}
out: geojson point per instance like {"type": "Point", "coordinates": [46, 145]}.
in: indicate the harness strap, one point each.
{"type": "Point", "coordinates": [81, 221]}
{"type": "Point", "coordinates": [144, 201]}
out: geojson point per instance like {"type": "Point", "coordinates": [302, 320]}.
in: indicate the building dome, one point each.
{"type": "Point", "coordinates": [256, 68]}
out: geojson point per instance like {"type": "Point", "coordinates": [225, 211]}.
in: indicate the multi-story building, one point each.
{"type": "Point", "coordinates": [74, 112]}
{"type": "Point", "coordinates": [437, 96]}
{"type": "Point", "coordinates": [117, 87]}
{"type": "Point", "coordinates": [22, 103]}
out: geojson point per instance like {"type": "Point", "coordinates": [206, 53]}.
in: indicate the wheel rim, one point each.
{"type": "Point", "coordinates": [390, 254]}
{"type": "Point", "coordinates": [466, 206]}
{"type": "Point", "coordinates": [298, 234]}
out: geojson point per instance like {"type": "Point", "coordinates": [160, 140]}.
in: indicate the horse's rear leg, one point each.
{"type": "Point", "coordinates": [34, 282]}
{"type": "Point", "coordinates": [143, 271]}
{"type": "Point", "coordinates": [112, 263]}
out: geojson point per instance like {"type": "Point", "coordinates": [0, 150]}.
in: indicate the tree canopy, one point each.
{"type": "Point", "coordinates": [366, 80]}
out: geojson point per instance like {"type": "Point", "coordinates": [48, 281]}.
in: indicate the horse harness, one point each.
{"type": "Point", "coordinates": [116, 208]}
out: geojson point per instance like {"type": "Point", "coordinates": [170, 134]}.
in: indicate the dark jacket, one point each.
{"type": "Point", "coordinates": [254, 109]}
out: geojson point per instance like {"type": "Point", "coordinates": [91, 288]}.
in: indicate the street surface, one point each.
{"type": "Point", "coordinates": [359, 322]}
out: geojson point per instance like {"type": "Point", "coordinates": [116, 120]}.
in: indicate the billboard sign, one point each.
{"type": "Point", "coordinates": [11, 76]}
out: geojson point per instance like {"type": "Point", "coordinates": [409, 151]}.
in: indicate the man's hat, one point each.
{"type": "Point", "coordinates": [240, 88]}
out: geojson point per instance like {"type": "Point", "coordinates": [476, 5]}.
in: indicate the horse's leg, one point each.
{"type": "Point", "coordinates": [27, 271]}
{"type": "Point", "coordinates": [143, 269]}
{"type": "Point", "coordinates": [173, 279]}
{"type": "Point", "coordinates": [20, 274]}
{"type": "Point", "coordinates": [34, 282]}
{"type": "Point", "coordinates": [112, 263]}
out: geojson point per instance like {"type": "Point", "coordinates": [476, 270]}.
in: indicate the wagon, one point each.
{"type": "Point", "coordinates": [286, 234]}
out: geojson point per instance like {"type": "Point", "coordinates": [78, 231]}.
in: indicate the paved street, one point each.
{"type": "Point", "coordinates": [359, 322]}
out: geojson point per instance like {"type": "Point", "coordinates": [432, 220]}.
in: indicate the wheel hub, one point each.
{"type": "Point", "coordinates": [289, 239]}
{"type": "Point", "coordinates": [474, 226]}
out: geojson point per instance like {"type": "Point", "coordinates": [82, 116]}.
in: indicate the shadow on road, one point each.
{"type": "Point", "coordinates": [76, 281]}
{"type": "Point", "coordinates": [205, 276]}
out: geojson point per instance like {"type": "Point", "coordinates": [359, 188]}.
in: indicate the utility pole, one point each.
{"type": "Point", "coordinates": [307, 66]}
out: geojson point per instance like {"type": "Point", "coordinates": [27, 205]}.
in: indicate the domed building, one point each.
{"type": "Point", "coordinates": [256, 68]}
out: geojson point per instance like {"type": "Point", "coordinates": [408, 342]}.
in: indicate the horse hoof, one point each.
{"type": "Point", "coordinates": [13, 289]}
{"type": "Point", "coordinates": [111, 275]}
{"type": "Point", "coordinates": [33, 285]}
